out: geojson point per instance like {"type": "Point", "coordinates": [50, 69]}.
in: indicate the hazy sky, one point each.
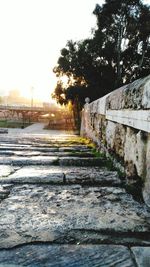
{"type": "Point", "coordinates": [32, 33]}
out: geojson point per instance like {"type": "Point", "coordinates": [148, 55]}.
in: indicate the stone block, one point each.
{"type": "Point", "coordinates": [142, 256]}
{"type": "Point", "coordinates": [146, 189]}
{"type": "Point", "coordinates": [134, 96]}
{"type": "Point", "coordinates": [119, 123]}
{"type": "Point", "coordinates": [66, 214]}
{"type": "Point", "coordinates": [66, 255]}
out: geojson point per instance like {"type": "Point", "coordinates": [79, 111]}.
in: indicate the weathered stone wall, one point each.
{"type": "Point", "coordinates": [120, 124]}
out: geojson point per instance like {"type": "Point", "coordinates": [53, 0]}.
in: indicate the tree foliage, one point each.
{"type": "Point", "coordinates": [117, 53]}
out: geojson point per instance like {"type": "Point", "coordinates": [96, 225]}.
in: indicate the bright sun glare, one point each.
{"type": "Point", "coordinates": [32, 34]}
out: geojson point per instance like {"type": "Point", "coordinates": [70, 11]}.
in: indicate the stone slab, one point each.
{"type": "Point", "coordinates": [142, 256]}
{"type": "Point", "coordinates": [64, 175]}
{"type": "Point", "coordinates": [35, 174]}
{"type": "Point", "coordinates": [92, 175]}
{"type": "Point", "coordinates": [3, 130]}
{"type": "Point", "coordinates": [138, 119]}
{"type": "Point", "coordinates": [75, 161]}
{"type": "Point", "coordinates": [62, 256]}
{"type": "Point", "coordinates": [26, 148]}
{"type": "Point", "coordinates": [5, 170]}
{"type": "Point", "coordinates": [131, 96]}
{"type": "Point", "coordinates": [44, 149]}
{"type": "Point", "coordinates": [35, 160]}
{"type": "Point", "coordinates": [50, 160]}
{"type": "Point", "coordinates": [4, 192]}
{"type": "Point", "coordinates": [30, 153]}
{"type": "Point", "coordinates": [71, 214]}
{"type": "Point", "coordinates": [6, 153]}
{"type": "Point", "coordinates": [81, 148]}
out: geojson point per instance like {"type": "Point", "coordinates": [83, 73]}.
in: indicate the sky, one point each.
{"type": "Point", "coordinates": [32, 33]}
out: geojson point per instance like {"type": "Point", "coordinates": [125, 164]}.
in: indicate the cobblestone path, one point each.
{"type": "Point", "coordinates": [60, 206]}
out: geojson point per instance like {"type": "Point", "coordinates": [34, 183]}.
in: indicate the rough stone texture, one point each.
{"type": "Point", "coordinates": [74, 161]}
{"type": "Point", "coordinates": [137, 119]}
{"type": "Point", "coordinates": [146, 96]}
{"type": "Point", "coordinates": [115, 138]}
{"type": "Point", "coordinates": [63, 175]}
{"type": "Point", "coordinates": [3, 130]}
{"type": "Point", "coordinates": [92, 176]}
{"type": "Point", "coordinates": [61, 214]}
{"type": "Point", "coordinates": [146, 189]}
{"type": "Point", "coordinates": [36, 160]}
{"type": "Point", "coordinates": [58, 214]}
{"type": "Point", "coordinates": [142, 256]}
{"type": "Point", "coordinates": [5, 170]}
{"type": "Point", "coordinates": [43, 153]}
{"type": "Point", "coordinates": [121, 129]}
{"type": "Point", "coordinates": [132, 96]}
{"type": "Point", "coordinates": [26, 148]}
{"type": "Point", "coordinates": [74, 148]}
{"type": "Point", "coordinates": [47, 160]}
{"type": "Point", "coordinates": [136, 160]}
{"type": "Point", "coordinates": [67, 255]}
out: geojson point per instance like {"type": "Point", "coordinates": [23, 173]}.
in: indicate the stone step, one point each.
{"type": "Point", "coordinates": [29, 153]}
{"type": "Point", "coordinates": [3, 130]}
{"type": "Point", "coordinates": [60, 146]}
{"type": "Point", "coordinates": [75, 161]}
{"type": "Point", "coordinates": [59, 206]}
{"type": "Point", "coordinates": [26, 161]}
{"type": "Point", "coordinates": [5, 170]}
{"type": "Point", "coordinates": [47, 160]}
{"type": "Point", "coordinates": [141, 255]}
{"type": "Point", "coordinates": [80, 148]}
{"type": "Point", "coordinates": [43, 140]}
{"type": "Point", "coordinates": [45, 149]}
{"type": "Point", "coordinates": [14, 148]}
{"type": "Point", "coordinates": [43, 255]}
{"type": "Point", "coordinates": [60, 175]}
{"type": "Point", "coordinates": [72, 214]}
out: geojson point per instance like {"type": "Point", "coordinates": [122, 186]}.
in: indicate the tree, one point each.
{"type": "Point", "coordinates": [125, 26]}
{"type": "Point", "coordinates": [117, 52]}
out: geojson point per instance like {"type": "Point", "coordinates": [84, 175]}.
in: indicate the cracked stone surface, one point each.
{"type": "Point", "coordinates": [22, 161]}
{"type": "Point", "coordinates": [49, 213]}
{"type": "Point", "coordinates": [65, 175]}
{"type": "Point", "coordinates": [67, 255]}
{"type": "Point", "coordinates": [61, 206]}
{"type": "Point", "coordinates": [142, 256]}
{"type": "Point", "coordinates": [45, 160]}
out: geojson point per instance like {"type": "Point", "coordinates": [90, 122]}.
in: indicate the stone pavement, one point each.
{"type": "Point", "coordinates": [60, 206]}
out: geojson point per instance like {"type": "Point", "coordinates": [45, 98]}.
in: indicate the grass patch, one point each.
{"type": "Point", "coordinates": [111, 167]}
{"type": "Point", "coordinates": [98, 154]}
{"type": "Point", "coordinates": [109, 164]}
{"type": "Point", "coordinates": [13, 124]}
{"type": "Point", "coordinates": [83, 141]}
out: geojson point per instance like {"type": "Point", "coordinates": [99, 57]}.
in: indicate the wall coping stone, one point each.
{"type": "Point", "coordinates": [128, 105]}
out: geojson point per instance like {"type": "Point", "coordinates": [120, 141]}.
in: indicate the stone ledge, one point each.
{"type": "Point", "coordinates": [134, 96]}
{"type": "Point", "coordinates": [138, 119]}
{"type": "Point", "coordinates": [3, 130]}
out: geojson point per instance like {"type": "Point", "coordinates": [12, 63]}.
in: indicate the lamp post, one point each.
{"type": "Point", "coordinates": [32, 89]}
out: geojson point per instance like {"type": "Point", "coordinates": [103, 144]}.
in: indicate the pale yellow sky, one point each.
{"type": "Point", "coordinates": [32, 33]}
